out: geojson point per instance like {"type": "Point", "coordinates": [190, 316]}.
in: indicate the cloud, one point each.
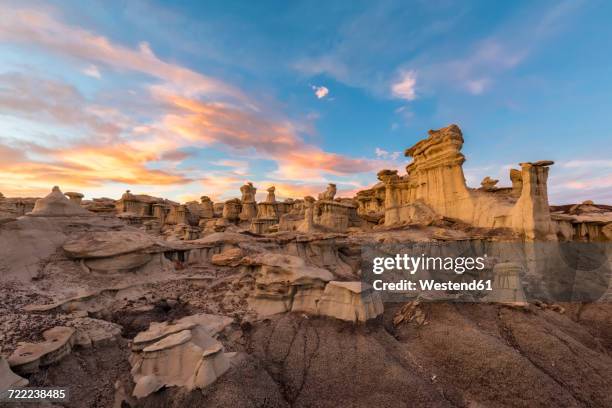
{"type": "Point", "coordinates": [383, 154]}
{"type": "Point", "coordinates": [43, 99]}
{"type": "Point", "coordinates": [216, 123]}
{"type": "Point", "coordinates": [32, 27]}
{"type": "Point", "coordinates": [141, 134]}
{"type": "Point", "coordinates": [477, 86]}
{"type": "Point", "coordinates": [320, 91]}
{"type": "Point", "coordinates": [404, 87]}
{"type": "Point", "coordinates": [92, 71]}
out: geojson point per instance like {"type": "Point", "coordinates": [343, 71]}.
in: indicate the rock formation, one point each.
{"type": "Point", "coordinates": [57, 205]}
{"type": "Point", "coordinates": [279, 279]}
{"type": "Point", "coordinates": [29, 357]}
{"type": "Point", "coordinates": [435, 177]}
{"type": "Point", "coordinates": [207, 208]}
{"type": "Point", "coordinates": [507, 287]}
{"type": "Point", "coordinates": [184, 354]}
{"type": "Point", "coordinates": [283, 286]}
{"type": "Point", "coordinates": [232, 210]}
{"type": "Point", "coordinates": [329, 193]}
{"type": "Point", "coordinates": [351, 301]}
{"type": "Point", "coordinates": [249, 206]}
{"type": "Point", "coordinates": [76, 198]}
{"type": "Point", "coordinates": [531, 213]}
{"type": "Point", "coordinates": [488, 184]}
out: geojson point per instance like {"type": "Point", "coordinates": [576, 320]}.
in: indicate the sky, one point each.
{"type": "Point", "coordinates": [189, 98]}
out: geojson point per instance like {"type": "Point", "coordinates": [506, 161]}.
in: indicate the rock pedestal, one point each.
{"type": "Point", "coordinates": [531, 214]}
{"type": "Point", "coordinates": [249, 206]}
{"type": "Point", "coordinates": [232, 210]}
{"type": "Point", "coordinates": [206, 208]}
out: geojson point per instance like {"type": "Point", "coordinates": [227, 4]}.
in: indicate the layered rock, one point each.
{"type": "Point", "coordinates": [57, 205]}
{"type": "Point", "coordinates": [435, 177]}
{"type": "Point", "coordinates": [488, 184]}
{"type": "Point", "coordinates": [281, 279]}
{"type": "Point", "coordinates": [268, 208]}
{"type": "Point", "coordinates": [228, 257]}
{"type": "Point", "coordinates": [207, 210]}
{"type": "Point", "coordinates": [371, 203]}
{"type": "Point", "coordinates": [350, 301]}
{"type": "Point", "coordinates": [516, 177]}
{"type": "Point", "coordinates": [249, 205]}
{"type": "Point", "coordinates": [232, 210]}
{"type": "Point", "coordinates": [75, 197]}
{"type": "Point", "coordinates": [507, 287]}
{"type": "Point", "coordinates": [183, 354]}
{"type": "Point", "coordinates": [329, 193]}
{"type": "Point", "coordinates": [111, 251]}
{"type": "Point", "coordinates": [531, 214]}
{"type": "Point", "coordinates": [29, 357]}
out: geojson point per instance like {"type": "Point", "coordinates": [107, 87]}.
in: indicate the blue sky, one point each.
{"type": "Point", "coordinates": [187, 98]}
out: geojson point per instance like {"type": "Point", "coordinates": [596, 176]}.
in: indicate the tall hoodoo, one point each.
{"type": "Point", "coordinates": [249, 206]}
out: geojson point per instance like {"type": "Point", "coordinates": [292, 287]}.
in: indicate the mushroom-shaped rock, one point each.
{"type": "Point", "coordinates": [75, 197]}
{"type": "Point", "coordinates": [351, 301]}
{"type": "Point", "coordinates": [28, 357]}
{"type": "Point", "coordinates": [56, 204]}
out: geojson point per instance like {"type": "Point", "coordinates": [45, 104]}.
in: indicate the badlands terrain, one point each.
{"type": "Point", "coordinates": [140, 301]}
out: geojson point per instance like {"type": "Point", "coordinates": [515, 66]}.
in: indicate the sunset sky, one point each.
{"type": "Point", "coordinates": [181, 99]}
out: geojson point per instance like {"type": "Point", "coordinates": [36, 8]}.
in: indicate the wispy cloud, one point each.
{"type": "Point", "coordinates": [404, 87]}
{"type": "Point", "coordinates": [92, 71]}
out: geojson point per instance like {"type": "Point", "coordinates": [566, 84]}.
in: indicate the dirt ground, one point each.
{"type": "Point", "coordinates": [463, 355]}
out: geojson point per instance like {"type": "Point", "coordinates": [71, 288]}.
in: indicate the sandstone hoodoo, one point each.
{"type": "Point", "coordinates": [234, 302]}
{"type": "Point", "coordinates": [57, 205]}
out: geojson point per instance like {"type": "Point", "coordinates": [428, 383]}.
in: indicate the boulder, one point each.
{"type": "Point", "coordinates": [351, 301]}
{"type": "Point", "coordinates": [28, 357]}
{"type": "Point", "coordinates": [107, 244]}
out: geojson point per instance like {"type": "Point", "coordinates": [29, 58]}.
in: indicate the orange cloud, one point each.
{"type": "Point", "coordinates": [209, 123]}
{"type": "Point", "coordinates": [115, 145]}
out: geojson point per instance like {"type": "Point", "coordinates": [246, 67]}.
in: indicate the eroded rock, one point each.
{"type": "Point", "coordinates": [184, 354]}
{"type": "Point", "coordinates": [28, 357]}
{"type": "Point", "coordinates": [351, 301]}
